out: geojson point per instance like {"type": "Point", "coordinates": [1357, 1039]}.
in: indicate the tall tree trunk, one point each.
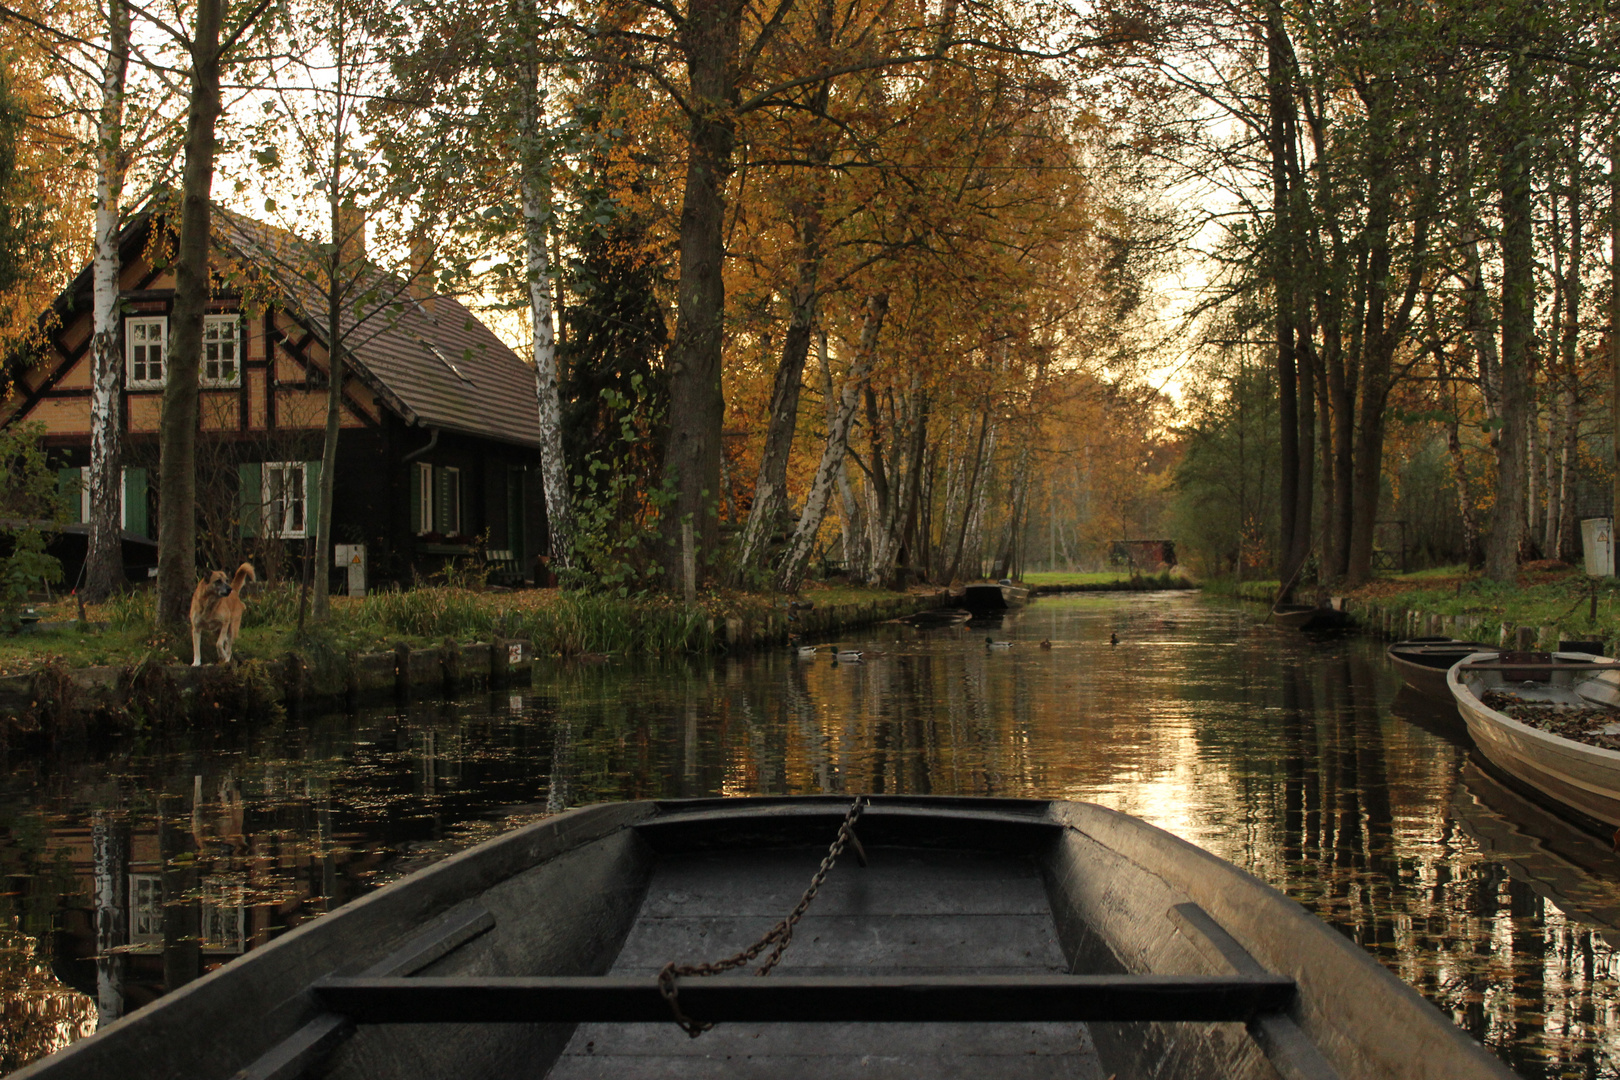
{"type": "Point", "coordinates": [770, 486]}
{"type": "Point", "coordinates": [709, 40]}
{"type": "Point", "coordinates": [177, 452]}
{"type": "Point", "coordinates": [1614, 326]}
{"type": "Point", "coordinates": [797, 557]}
{"type": "Point", "coordinates": [348, 236]}
{"type": "Point", "coordinates": [104, 564]}
{"type": "Point", "coordinates": [1518, 284]}
{"type": "Point", "coordinates": [1279, 106]}
{"type": "Point", "coordinates": [534, 192]}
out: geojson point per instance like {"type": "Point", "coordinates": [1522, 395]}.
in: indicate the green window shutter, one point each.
{"type": "Point", "coordinates": [68, 482]}
{"type": "Point", "coordinates": [135, 512]}
{"type": "Point", "coordinates": [250, 497]}
{"type": "Point", "coordinates": [312, 498]}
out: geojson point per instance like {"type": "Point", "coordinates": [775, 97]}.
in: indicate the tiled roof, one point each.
{"type": "Point", "coordinates": [445, 370]}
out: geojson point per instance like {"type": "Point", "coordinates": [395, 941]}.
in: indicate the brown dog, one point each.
{"type": "Point", "coordinates": [218, 603]}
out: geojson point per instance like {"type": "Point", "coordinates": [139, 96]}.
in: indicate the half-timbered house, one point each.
{"type": "Point", "coordinates": [438, 454]}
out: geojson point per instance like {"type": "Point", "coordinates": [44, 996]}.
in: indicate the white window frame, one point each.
{"type": "Point", "coordinates": [145, 323]}
{"type": "Point", "coordinates": [215, 341]}
{"type": "Point", "coordinates": [424, 498]}
{"type": "Point", "coordinates": [84, 493]}
{"type": "Point", "coordinates": [224, 918]}
{"type": "Point", "coordinates": [452, 477]}
{"type": "Point", "coordinates": [145, 909]}
{"type": "Point", "coordinates": [283, 528]}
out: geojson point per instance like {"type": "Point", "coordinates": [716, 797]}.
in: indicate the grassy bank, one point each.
{"type": "Point", "coordinates": [1556, 601]}
{"type": "Point", "coordinates": [1105, 581]}
{"type": "Point", "coordinates": [121, 632]}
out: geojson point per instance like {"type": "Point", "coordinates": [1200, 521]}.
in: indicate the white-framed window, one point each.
{"type": "Point", "coordinates": [145, 909]}
{"type": "Point", "coordinates": [222, 351]}
{"type": "Point", "coordinates": [424, 498]}
{"type": "Point", "coordinates": [224, 919]}
{"type": "Point", "coordinates": [146, 347]}
{"type": "Point", "coordinates": [450, 503]}
{"type": "Point", "coordinates": [286, 498]}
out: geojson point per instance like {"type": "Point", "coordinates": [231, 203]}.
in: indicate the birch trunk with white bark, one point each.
{"type": "Point", "coordinates": [104, 565]}
{"type": "Point", "coordinates": [534, 183]}
{"type": "Point", "coordinates": [803, 542]}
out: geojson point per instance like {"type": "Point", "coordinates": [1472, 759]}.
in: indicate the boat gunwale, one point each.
{"type": "Point", "coordinates": [1472, 702]}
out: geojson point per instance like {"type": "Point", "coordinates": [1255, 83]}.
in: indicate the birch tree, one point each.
{"type": "Point", "coordinates": [104, 567]}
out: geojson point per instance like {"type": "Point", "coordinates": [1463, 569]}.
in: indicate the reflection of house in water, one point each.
{"type": "Point", "coordinates": [179, 892]}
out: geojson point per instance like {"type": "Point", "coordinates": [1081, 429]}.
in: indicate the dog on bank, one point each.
{"type": "Point", "coordinates": [217, 604]}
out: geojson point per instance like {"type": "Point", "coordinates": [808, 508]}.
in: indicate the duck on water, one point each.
{"type": "Point", "coordinates": [982, 937]}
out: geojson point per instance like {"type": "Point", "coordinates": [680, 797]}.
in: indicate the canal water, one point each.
{"type": "Point", "coordinates": [1296, 758]}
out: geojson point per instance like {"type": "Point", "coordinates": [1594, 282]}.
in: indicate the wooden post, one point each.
{"type": "Point", "coordinates": [402, 670]}
{"type": "Point", "coordinates": [293, 684]}
{"type": "Point", "coordinates": [450, 666]}
{"type": "Point", "coordinates": [688, 563]}
{"type": "Point", "coordinates": [499, 663]}
{"type": "Point", "coordinates": [1524, 639]}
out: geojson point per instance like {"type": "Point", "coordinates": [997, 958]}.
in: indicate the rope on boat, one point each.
{"type": "Point", "coordinates": [780, 936]}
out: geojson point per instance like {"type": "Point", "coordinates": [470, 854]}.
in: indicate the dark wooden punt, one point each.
{"type": "Point", "coordinates": [987, 596]}
{"type": "Point", "coordinates": [986, 937]}
{"type": "Point", "coordinates": [1423, 662]}
{"type": "Point", "coordinates": [1308, 616]}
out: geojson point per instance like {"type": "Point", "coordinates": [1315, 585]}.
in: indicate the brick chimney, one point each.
{"type": "Point", "coordinates": [422, 275]}
{"type": "Point", "coordinates": [351, 238]}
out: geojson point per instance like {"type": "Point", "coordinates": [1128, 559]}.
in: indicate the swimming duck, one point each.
{"type": "Point", "coordinates": [994, 644]}
{"type": "Point", "coordinates": [848, 656]}
{"type": "Point", "coordinates": [808, 652]}
{"type": "Point", "coordinates": [1113, 639]}
{"type": "Point", "coordinates": [1046, 644]}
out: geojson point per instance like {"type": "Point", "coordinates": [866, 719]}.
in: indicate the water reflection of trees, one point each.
{"type": "Point", "coordinates": [1277, 754]}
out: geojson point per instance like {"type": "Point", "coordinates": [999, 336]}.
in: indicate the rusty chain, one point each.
{"type": "Point", "coordinates": [780, 936]}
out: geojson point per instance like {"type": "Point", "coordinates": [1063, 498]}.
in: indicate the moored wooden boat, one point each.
{"type": "Point", "coordinates": [987, 596]}
{"type": "Point", "coordinates": [1423, 662]}
{"type": "Point", "coordinates": [1308, 616]}
{"type": "Point", "coordinates": [1579, 777]}
{"type": "Point", "coordinates": [982, 937]}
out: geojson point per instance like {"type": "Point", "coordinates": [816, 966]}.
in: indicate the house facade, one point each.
{"type": "Point", "coordinates": [438, 452]}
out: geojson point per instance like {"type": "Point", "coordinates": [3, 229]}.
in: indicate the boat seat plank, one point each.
{"type": "Point", "coordinates": [822, 999]}
{"type": "Point", "coordinates": [300, 1051]}
{"type": "Point", "coordinates": [1291, 1052]}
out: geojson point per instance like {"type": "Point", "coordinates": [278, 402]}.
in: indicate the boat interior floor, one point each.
{"type": "Point", "coordinates": [909, 912]}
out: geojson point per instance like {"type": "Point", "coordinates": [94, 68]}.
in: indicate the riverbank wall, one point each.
{"type": "Point", "coordinates": [55, 701]}
{"type": "Point", "coordinates": [1398, 619]}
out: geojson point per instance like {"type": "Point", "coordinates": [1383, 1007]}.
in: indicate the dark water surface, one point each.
{"type": "Point", "coordinates": [1296, 759]}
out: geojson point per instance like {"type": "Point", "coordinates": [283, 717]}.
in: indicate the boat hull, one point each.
{"type": "Point", "coordinates": [1423, 662]}
{"type": "Point", "coordinates": [1580, 778]}
{"type": "Point", "coordinates": [617, 890]}
{"type": "Point", "coordinates": [1308, 617]}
